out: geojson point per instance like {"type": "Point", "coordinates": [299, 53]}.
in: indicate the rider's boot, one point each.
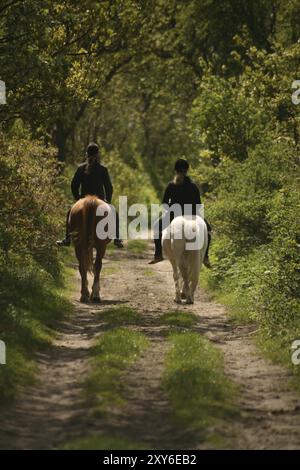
{"type": "Point", "coordinates": [118, 243]}
{"type": "Point", "coordinates": [65, 242]}
{"type": "Point", "coordinates": [207, 262]}
{"type": "Point", "coordinates": [156, 259]}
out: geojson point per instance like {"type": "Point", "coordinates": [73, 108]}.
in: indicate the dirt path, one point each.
{"type": "Point", "coordinates": [53, 411]}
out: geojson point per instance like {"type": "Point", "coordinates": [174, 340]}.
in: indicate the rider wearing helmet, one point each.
{"type": "Point", "coordinates": [91, 178]}
{"type": "Point", "coordinates": [181, 191]}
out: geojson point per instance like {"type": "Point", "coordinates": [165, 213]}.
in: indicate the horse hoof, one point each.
{"type": "Point", "coordinates": [189, 301]}
{"type": "Point", "coordinates": [84, 300]}
{"type": "Point", "coordinates": [96, 300]}
{"type": "Point", "coordinates": [177, 301]}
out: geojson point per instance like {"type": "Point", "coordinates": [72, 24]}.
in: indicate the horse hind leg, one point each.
{"type": "Point", "coordinates": [176, 277]}
{"type": "Point", "coordinates": [194, 279]}
{"type": "Point", "coordinates": [175, 259]}
{"type": "Point", "coordinates": [95, 295]}
{"type": "Point", "coordinates": [189, 293]}
{"type": "Point", "coordinates": [185, 285]}
{"type": "Point", "coordinates": [85, 295]}
{"type": "Point", "coordinates": [177, 286]}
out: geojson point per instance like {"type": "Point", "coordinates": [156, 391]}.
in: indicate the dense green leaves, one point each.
{"type": "Point", "coordinates": [32, 213]}
{"type": "Point", "coordinates": [245, 130]}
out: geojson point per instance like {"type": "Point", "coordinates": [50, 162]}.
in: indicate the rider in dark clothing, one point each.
{"type": "Point", "coordinates": [185, 193]}
{"type": "Point", "coordinates": [96, 182]}
{"type": "Point", "coordinates": [91, 178]}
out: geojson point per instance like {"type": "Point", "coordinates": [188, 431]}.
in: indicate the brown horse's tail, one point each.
{"type": "Point", "coordinates": [88, 233]}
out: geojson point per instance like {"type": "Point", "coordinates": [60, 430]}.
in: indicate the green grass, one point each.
{"type": "Point", "coordinates": [18, 371]}
{"type": "Point", "coordinates": [104, 443]}
{"type": "Point", "coordinates": [109, 270]}
{"type": "Point", "coordinates": [133, 246]}
{"type": "Point", "coordinates": [236, 305]}
{"type": "Point", "coordinates": [113, 353]}
{"type": "Point", "coordinates": [148, 272]}
{"type": "Point", "coordinates": [137, 246]}
{"type": "Point", "coordinates": [120, 316]}
{"type": "Point", "coordinates": [111, 247]}
{"type": "Point", "coordinates": [29, 325]}
{"type": "Point", "coordinates": [200, 393]}
{"type": "Point", "coordinates": [178, 319]}
{"type": "Point", "coordinates": [275, 346]}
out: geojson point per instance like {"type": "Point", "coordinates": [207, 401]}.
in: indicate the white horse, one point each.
{"type": "Point", "coordinates": [184, 243]}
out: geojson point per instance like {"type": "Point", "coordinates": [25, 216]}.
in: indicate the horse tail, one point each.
{"type": "Point", "coordinates": [89, 231]}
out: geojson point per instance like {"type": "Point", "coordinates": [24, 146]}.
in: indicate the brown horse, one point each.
{"type": "Point", "coordinates": [82, 222]}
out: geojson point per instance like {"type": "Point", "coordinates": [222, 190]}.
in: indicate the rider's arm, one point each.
{"type": "Point", "coordinates": [197, 195]}
{"type": "Point", "coordinates": [107, 186]}
{"type": "Point", "coordinates": [167, 195]}
{"type": "Point", "coordinates": [75, 184]}
{"type": "Point", "coordinates": [197, 200]}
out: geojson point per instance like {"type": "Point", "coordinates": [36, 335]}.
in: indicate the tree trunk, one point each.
{"type": "Point", "coordinates": [60, 140]}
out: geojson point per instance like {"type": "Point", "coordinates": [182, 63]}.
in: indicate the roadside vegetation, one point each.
{"type": "Point", "coordinates": [32, 273]}
{"type": "Point", "coordinates": [248, 127]}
